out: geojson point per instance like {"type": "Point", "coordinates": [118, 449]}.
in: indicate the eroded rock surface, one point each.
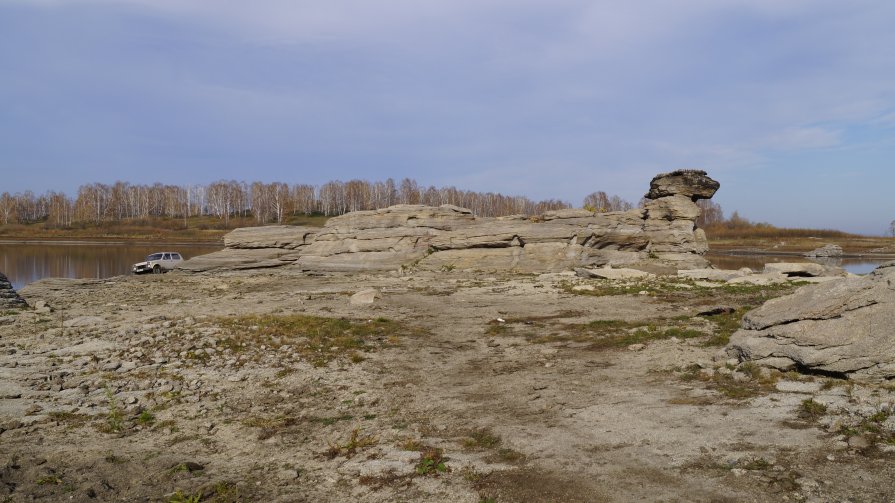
{"type": "Point", "coordinates": [8, 297]}
{"type": "Point", "coordinates": [839, 327]}
{"type": "Point", "coordinates": [447, 237]}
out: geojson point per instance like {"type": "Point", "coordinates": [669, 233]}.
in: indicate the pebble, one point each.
{"type": "Point", "coordinates": [111, 366]}
{"type": "Point", "coordinates": [287, 474]}
{"type": "Point", "coordinates": [858, 442]}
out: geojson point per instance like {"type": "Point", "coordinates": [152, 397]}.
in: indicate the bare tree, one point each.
{"type": "Point", "coordinates": [597, 201]}
{"type": "Point", "coordinates": [710, 213]}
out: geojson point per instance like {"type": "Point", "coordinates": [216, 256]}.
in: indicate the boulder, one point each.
{"type": "Point", "coordinates": [842, 327]}
{"type": "Point", "coordinates": [796, 269]}
{"type": "Point", "coordinates": [694, 184]}
{"type": "Point", "coordinates": [826, 251]}
{"type": "Point", "coordinates": [8, 297]}
{"type": "Point", "coordinates": [364, 297]}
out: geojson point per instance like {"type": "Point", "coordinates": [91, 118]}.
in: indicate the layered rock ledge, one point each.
{"type": "Point", "coordinates": [8, 297]}
{"type": "Point", "coordinates": [413, 236]}
{"type": "Point", "coordinates": [841, 327]}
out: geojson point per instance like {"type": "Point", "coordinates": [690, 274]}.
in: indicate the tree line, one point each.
{"type": "Point", "coordinates": [99, 203]}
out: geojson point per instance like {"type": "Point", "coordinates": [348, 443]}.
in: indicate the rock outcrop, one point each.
{"type": "Point", "coordinates": [842, 327]}
{"type": "Point", "coordinates": [447, 237]}
{"type": "Point", "coordinates": [826, 251]}
{"type": "Point", "coordinates": [8, 297]}
{"type": "Point", "coordinates": [255, 248]}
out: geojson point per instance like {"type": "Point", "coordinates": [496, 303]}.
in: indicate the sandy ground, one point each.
{"type": "Point", "coordinates": [485, 389]}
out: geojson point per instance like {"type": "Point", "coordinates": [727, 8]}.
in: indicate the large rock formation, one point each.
{"type": "Point", "coordinates": [842, 327]}
{"type": "Point", "coordinates": [255, 248]}
{"type": "Point", "coordinates": [414, 236]}
{"type": "Point", "coordinates": [8, 297]}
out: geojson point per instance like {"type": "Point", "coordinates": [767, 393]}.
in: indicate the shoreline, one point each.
{"type": "Point", "coordinates": [100, 241]}
{"type": "Point", "coordinates": [767, 253]}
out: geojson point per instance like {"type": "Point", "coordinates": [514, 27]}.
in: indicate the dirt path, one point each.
{"type": "Point", "coordinates": [140, 389]}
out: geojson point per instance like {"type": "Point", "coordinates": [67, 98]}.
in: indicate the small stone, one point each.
{"type": "Point", "coordinates": [364, 297]}
{"type": "Point", "coordinates": [740, 376]}
{"type": "Point", "coordinates": [287, 474]}
{"type": "Point", "coordinates": [858, 442]}
{"type": "Point", "coordinates": [831, 457]}
{"type": "Point", "coordinates": [131, 400]}
{"type": "Point", "coordinates": [33, 409]}
{"type": "Point", "coordinates": [113, 365]}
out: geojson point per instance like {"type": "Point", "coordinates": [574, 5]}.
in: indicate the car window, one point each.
{"type": "Point", "coordinates": [176, 256]}
{"type": "Point", "coordinates": [154, 256]}
{"type": "Point", "coordinates": [167, 256]}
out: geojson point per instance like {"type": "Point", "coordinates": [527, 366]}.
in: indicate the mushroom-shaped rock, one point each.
{"type": "Point", "coordinates": [691, 183]}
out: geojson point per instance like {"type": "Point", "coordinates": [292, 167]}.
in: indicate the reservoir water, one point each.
{"type": "Point", "coordinates": [24, 263]}
{"type": "Point", "coordinates": [757, 262]}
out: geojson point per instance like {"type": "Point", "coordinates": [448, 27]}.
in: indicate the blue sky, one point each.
{"type": "Point", "coordinates": [789, 104]}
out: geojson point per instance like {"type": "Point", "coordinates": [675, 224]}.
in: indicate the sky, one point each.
{"type": "Point", "coordinates": [790, 105]}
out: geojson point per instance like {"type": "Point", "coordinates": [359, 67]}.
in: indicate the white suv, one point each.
{"type": "Point", "coordinates": [158, 263]}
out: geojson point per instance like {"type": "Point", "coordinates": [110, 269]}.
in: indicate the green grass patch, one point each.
{"type": "Point", "coordinates": [481, 438]}
{"type": "Point", "coordinates": [432, 462]}
{"type": "Point", "coordinates": [318, 340]}
{"type": "Point", "coordinates": [811, 410]}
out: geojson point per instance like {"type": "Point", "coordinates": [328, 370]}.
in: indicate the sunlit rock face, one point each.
{"type": "Point", "coordinates": [842, 327]}
{"type": "Point", "coordinates": [447, 237]}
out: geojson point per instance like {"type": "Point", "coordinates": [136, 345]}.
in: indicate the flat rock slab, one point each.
{"type": "Point", "coordinates": [83, 321]}
{"type": "Point", "coordinates": [289, 237]}
{"type": "Point", "coordinates": [714, 274]}
{"type": "Point", "coordinates": [796, 268]}
{"type": "Point", "coordinates": [610, 273]}
{"type": "Point", "coordinates": [771, 278]}
{"type": "Point", "coordinates": [239, 259]}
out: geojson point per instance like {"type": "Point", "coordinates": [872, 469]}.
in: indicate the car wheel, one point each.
{"type": "Point", "coordinates": [157, 269]}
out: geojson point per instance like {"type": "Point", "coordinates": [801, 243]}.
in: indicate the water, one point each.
{"type": "Point", "coordinates": [26, 263]}
{"type": "Point", "coordinates": [757, 262]}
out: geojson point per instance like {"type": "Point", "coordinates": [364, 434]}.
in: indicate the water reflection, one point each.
{"type": "Point", "coordinates": [757, 262]}
{"type": "Point", "coordinates": [26, 263]}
